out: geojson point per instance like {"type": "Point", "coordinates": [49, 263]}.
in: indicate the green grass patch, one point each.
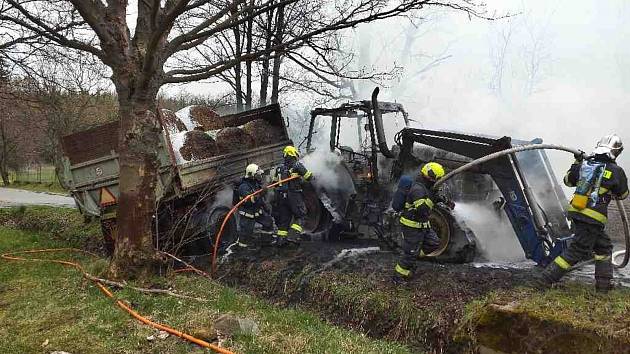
{"type": "Point", "coordinates": [42, 302]}
{"type": "Point", "coordinates": [63, 224]}
{"type": "Point", "coordinates": [46, 187]}
{"type": "Point", "coordinates": [588, 321]}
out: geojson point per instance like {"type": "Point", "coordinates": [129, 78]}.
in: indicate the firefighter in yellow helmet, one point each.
{"type": "Point", "coordinates": [289, 208]}
{"type": "Point", "coordinates": [415, 200]}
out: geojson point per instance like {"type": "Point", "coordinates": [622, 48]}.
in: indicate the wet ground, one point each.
{"type": "Point", "coordinates": [350, 284]}
{"type": "Point", "coordinates": [16, 197]}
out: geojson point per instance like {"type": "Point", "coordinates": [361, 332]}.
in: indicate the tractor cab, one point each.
{"type": "Point", "coordinates": [357, 134]}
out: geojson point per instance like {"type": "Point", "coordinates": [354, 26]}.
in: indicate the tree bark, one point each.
{"type": "Point", "coordinates": [248, 64]}
{"type": "Point", "coordinates": [4, 170]}
{"type": "Point", "coordinates": [237, 69]}
{"type": "Point", "coordinates": [277, 61]}
{"type": "Point", "coordinates": [264, 75]}
{"type": "Point", "coordinates": [134, 256]}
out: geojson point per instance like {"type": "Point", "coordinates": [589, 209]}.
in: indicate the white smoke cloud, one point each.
{"type": "Point", "coordinates": [496, 238]}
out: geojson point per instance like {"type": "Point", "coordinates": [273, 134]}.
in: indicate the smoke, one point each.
{"type": "Point", "coordinates": [544, 73]}
{"type": "Point", "coordinates": [328, 171]}
{"type": "Point", "coordinates": [496, 238]}
{"type": "Point", "coordinates": [223, 197]}
{"type": "Point", "coordinates": [333, 182]}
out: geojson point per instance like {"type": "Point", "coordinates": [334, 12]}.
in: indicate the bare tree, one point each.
{"type": "Point", "coordinates": [140, 51]}
{"type": "Point", "coordinates": [536, 51]}
{"type": "Point", "coordinates": [499, 55]}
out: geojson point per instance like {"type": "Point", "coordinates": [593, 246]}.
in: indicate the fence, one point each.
{"type": "Point", "coordinates": [34, 174]}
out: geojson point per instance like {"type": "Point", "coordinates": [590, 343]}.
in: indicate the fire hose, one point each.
{"type": "Point", "coordinates": [231, 212]}
{"type": "Point", "coordinates": [622, 209]}
{"type": "Point", "coordinates": [13, 257]}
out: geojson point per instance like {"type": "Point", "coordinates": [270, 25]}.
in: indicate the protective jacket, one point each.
{"type": "Point", "coordinates": [291, 167]}
{"type": "Point", "coordinates": [415, 202]}
{"type": "Point", "coordinates": [614, 184]}
{"type": "Point", "coordinates": [255, 206]}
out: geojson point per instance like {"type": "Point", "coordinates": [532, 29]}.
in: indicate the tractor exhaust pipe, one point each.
{"type": "Point", "coordinates": [380, 131]}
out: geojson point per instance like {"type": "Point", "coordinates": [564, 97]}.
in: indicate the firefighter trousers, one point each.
{"type": "Point", "coordinates": [414, 241]}
{"type": "Point", "coordinates": [246, 226]}
{"type": "Point", "coordinates": [289, 212]}
{"type": "Point", "coordinates": [590, 241]}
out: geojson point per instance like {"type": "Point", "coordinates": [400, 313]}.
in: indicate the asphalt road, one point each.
{"type": "Point", "coordinates": [14, 197]}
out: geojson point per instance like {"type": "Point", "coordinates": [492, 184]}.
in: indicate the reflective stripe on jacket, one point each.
{"type": "Point", "coordinates": [290, 168]}
{"type": "Point", "coordinates": [417, 207]}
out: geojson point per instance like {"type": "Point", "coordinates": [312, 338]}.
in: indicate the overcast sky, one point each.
{"type": "Point", "coordinates": [582, 90]}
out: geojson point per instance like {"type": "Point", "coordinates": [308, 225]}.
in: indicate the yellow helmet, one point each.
{"type": "Point", "coordinates": [290, 150]}
{"type": "Point", "coordinates": [432, 171]}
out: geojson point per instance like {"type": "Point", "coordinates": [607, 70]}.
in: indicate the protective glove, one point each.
{"type": "Point", "coordinates": [579, 156]}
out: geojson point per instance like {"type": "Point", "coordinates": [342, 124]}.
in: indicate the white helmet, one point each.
{"type": "Point", "coordinates": [610, 145]}
{"type": "Point", "coordinates": [253, 171]}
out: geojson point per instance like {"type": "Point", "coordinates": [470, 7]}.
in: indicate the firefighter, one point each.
{"type": "Point", "coordinates": [255, 209]}
{"type": "Point", "coordinates": [589, 220]}
{"type": "Point", "coordinates": [289, 208]}
{"type": "Point", "coordinates": [415, 199]}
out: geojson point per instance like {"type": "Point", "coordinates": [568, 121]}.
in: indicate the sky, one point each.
{"type": "Point", "coordinates": [580, 93]}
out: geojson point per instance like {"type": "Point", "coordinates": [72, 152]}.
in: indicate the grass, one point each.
{"type": "Point", "coordinates": [579, 306]}
{"type": "Point", "coordinates": [42, 302]}
{"type": "Point", "coordinates": [572, 310]}
{"type": "Point", "coordinates": [46, 187]}
{"type": "Point", "coordinates": [62, 224]}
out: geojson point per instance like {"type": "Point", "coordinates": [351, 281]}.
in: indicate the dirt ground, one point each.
{"type": "Point", "coordinates": [358, 292]}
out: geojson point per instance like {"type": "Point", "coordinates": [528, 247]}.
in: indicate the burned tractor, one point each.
{"type": "Point", "coordinates": [374, 169]}
{"type": "Point", "coordinates": [521, 185]}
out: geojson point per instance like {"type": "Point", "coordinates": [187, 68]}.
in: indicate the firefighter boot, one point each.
{"type": "Point", "coordinates": [399, 280]}
{"type": "Point", "coordinates": [550, 275]}
{"type": "Point", "coordinates": [603, 275]}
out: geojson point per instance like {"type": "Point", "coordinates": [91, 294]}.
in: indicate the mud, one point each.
{"type": "Point", "coordinates": [262, 132]}
{"type": "Point", "coordinates": [232, 139]}
{"type": "Point", "coordinates": [358, 293]}
{"type": "Point", "coordinates": [206, 117]}
{"type": "Point", "coordinates": [198, 145]}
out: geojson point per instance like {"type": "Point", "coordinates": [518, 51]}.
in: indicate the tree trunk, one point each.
{"type": "Point", "coordinates": [264, 75]}
{"type": "Point", "coordinates": [134, 256]}
{"type": "Point", "coordinates": [4, 170]}
{"type": "Point", "coordinates": [248, 64]}
{"type": "Point", "coordinates": [275, 84]}
{"type": "Point", "coordinates": [237, 68]}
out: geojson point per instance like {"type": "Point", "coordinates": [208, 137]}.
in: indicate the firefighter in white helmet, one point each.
{"type": "Point", "coordinates": [598, 180]}
{"type": "Point", "coordinates": [255, 209]}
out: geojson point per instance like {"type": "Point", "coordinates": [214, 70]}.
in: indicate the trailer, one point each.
{"type": "Point", "coordinates": [192, 197]}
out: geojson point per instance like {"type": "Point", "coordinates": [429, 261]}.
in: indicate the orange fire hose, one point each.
{"type": "Point", "coordinates": [229, 214]}
{"type": "Point", "coordinates": [108, 293]}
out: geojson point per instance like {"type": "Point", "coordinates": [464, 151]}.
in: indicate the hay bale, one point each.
{"type": "Point", "coordinates": [262, 132]}
{"type": "Point", "coordinates": [232, 139]}
{"type": "Point", "coordinates": [171, 122]}
{"type": "Point", "coordinates": [198, 146]}
{"type": "Point", "coordinates": [205, 117]}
